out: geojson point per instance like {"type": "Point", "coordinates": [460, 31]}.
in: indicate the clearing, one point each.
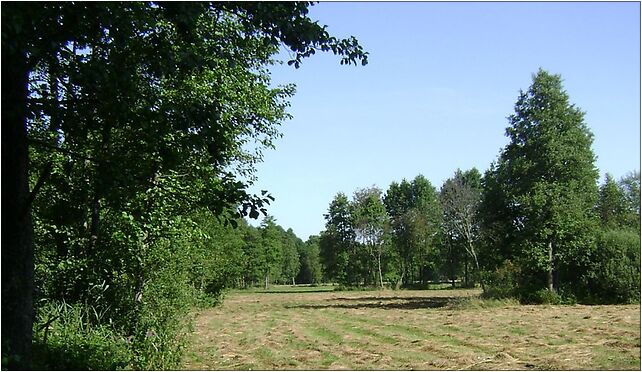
{"type": "Point", "coordinates": [400, 330]}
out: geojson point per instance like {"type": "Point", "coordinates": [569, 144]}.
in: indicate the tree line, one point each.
{"type": "Point", "coordinates": [535, 226]}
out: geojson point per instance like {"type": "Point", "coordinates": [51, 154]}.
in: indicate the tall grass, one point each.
{"type": "Point", "coordinates": [70, 337]}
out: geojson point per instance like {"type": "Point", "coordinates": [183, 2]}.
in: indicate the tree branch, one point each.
{"type": "Point", "coordinates": [44, 175]}
{"type": "Point", "coordinates": [61, 150]}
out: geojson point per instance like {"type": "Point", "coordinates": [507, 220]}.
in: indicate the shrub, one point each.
{"type": "Point", "coordinates": [502, 282]}
{"type": "Point", "coordinates": [541, 297]}
{"type": "Point", "coordinates": [615, 273]}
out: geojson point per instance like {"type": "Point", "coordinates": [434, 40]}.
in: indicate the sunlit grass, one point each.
{"type": "Point", "coordinates": [436, 329]}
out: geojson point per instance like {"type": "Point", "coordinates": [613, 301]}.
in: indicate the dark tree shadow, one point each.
{"type": "Point", "coordinates": [388, 303]}
{"type": "Point", "coordinates": [282, 291]}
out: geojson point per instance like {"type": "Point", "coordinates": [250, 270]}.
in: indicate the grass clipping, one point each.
{"type": "Point", "coordinates": [400, 330]}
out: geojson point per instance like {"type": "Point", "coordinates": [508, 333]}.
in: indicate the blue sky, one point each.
{"type": "Point", "coordinates": [442, 78]}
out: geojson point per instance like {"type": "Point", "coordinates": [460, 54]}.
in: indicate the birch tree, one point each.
{"type": "Point", "coordinates": [460, 198]}
{"type": "Point", "coordinates": [370, 223]}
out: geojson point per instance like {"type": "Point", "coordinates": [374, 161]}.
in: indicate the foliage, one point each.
{"type": "Point", "coordinates": [615, 276]}
{"type": "Point", "coordinates": [548, 181]}
{"type": "Point", "coordinates": [370, 226]}
{"type": "Point", "coordinates": [142, 120]}
{"type": "Point", "coordinates": [611, 205]}
{"type": "Point", "coordinates": [530, 225]}
{"type": "Point", "coordinates": [541, 297]}
{"type": "Point", "coordinates": [309, 255]}
{"type": "Point", "coordinates": [271, 250]}
{"type": "Point", "coordinates": [71, 337]}
{"type": "Point", "coordinates": [630, 185]}
{"type": "Point", "coordinates": [291, 257]}
{"type": "Point", "coordinates": [337, 242]}
{"type": "Point", "coordinates": [503, 282]}
{"type": "Point", "coordinates": [414, 212]}
{"type": "Point", "coordinates": [460, 198]}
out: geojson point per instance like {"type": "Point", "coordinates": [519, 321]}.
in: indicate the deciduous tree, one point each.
{"type": "Point", "coordinates": [371, 225]}
{"type": "Point", "coordinates": [611, 204]}
{"type": "Point", "coordinates": [414, 213]}
{"type": "Point", "coordinates": [337, 242]}
{"type": "Point", "coordinates": [548, 184]}
{"type": "Point", "coordinates": [460, 196]}
{"type": "Point", "coordinates": [131, 93]}
{"type": "Point", "coordinates": [630, 185]}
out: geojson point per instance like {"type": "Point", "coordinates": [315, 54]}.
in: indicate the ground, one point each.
{"type": "Point", "coordinates": [313, 329]}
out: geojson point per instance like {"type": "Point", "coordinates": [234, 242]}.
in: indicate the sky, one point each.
{"type": "Point", "coordinates": [442, 79]}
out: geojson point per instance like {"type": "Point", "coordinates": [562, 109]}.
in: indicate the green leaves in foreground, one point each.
{"type": "Point", "coordinates": [143, 120]}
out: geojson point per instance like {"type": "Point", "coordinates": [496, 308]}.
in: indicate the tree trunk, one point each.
{"type": "Point", "coordinates": [379, 267]}
{"type": "Point", "coordinates": [293, 282]}
{"type": "Point", "coordinates": [452, 260]}
{"type": "Point", "coordinates": [466, 272]}
{"type": "Point", "coordinates": [472, 251]}
{"type": "Point", "coordinates": [17, 229]}
{"type": "Point", "coordinates": [267, 280]}
{"type": "Point", "coordinates": [403, 275]}
{"type": "Point", "coordinates": [549, 276]}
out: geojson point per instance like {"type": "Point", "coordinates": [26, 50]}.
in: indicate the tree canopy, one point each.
{"type": "Point", "coordinates": [119, 118]}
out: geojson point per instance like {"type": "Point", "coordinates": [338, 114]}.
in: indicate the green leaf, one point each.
{"type": "Point", "coordinates": [254, 214]}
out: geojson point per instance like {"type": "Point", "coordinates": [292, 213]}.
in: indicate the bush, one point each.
{"type": "Point", "coordinates": [503, 282]}
{"type": "Point", "coordinates": [541, 297]}
{"type": "Point", "coordinates": [615, 273]}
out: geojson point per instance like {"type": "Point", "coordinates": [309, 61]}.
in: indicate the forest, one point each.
{"type": "Point", "coordinates": [131, 134]}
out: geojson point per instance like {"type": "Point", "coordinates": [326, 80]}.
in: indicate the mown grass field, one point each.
{"type": "Point", "coordinates": [314, 329]}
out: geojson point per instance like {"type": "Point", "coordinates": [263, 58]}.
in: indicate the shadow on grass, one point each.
{"type": "Point", "coordinates": [281, 291]}
{"type": "Point", "coordinates": [387, 303]}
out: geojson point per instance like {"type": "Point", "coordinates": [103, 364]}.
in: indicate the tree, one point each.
{"type": "Point", "coordinates": [460, 198]}
{"type": "Point", "coordinates": [495, 217]}
{"type": "Point", "coordinates": [291, 263]}
{"type": "Point", "coordinates": [548, 185]}
{"type": "Point", "coordinates": [615, 274]}
{"type": "Point", "coordinates": [253, 262]}
{"type": "Point", "coordinates": [371, 224]}
{"type": "Point", "coordinates": [309, 254]}
{"type": "Point", "coordinates": [271, 250]}
{"type": "Point", "coordinates": [414, 213]}
{"type": "Point", "coordinates": [337, 242]}
{"type": "Point", "coordinates": [154, 88]}
{"type": "Point", "coordinates": [630, 184]}
{"type": "Point", "coordinates": [611, 205]}
{"type": "Point", "coordinates": [398, 202]}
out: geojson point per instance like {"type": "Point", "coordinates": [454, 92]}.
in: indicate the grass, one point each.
{"type": "Point", "coordinates": [399, 330]}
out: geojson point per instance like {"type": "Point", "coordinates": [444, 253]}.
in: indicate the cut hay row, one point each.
{"type": "Point", "coordinates": [410, 330]}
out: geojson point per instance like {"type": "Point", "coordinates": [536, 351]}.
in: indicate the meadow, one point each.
{"type": "Point", "coordinates": [314, 328]}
